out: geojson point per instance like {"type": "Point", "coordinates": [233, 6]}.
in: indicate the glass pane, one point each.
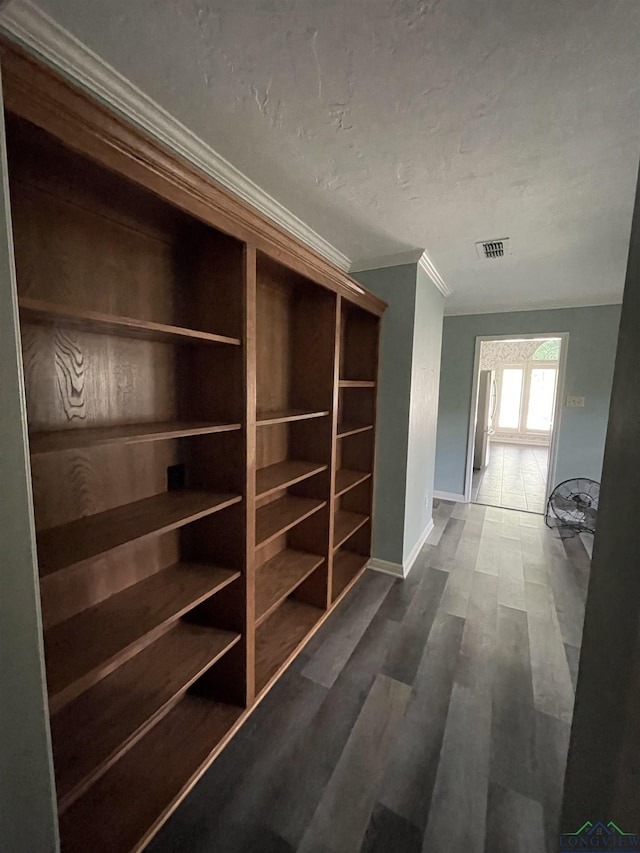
{"type": "Point", "coordinates": [509, 417]}
{"type": "Point", "coordinates": [548, 351]}
{"type": "Point", "coordinates": [541, 396]}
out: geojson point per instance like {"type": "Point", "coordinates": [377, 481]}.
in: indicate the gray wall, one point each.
{"type": "Point", "coordinates": [27, 801]}
{"type": "Point", "coordinates": [603, 773]}
{"type": "Point", "coordinates": [407, 400]}
{"type": "Point", "coordinates": [425, 380]}
{"type": "Point", "coordinates": [592, 344]}
{"type": "Point", "coordinates": [397, 286]}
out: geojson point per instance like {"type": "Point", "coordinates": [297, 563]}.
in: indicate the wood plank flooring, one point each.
{"type": "Point", "coordinates": [426, 716]}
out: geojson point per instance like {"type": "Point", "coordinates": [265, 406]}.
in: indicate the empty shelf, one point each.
{"type": "Point", "coordinates": [279, 576]}
{"type": "Point", "coordinates": [123, 809]}
{"type": "Point", "coordinates": [91, 644]}
{"type": "Point", "coordinates": [345, 525]}
{"type": "Point", "coordinates": [279, 516]}
{"type": "Point", "coordinates": [356, 383]}
{"type": "Point", "coordinates": [346, 567]}
{"type": "Point", "coordinates": [90, 733]}
{"type": "Point", "coordinates": [346, 479]}
{"type": "Point", "coordinates": [279, 636]}
{"type": "Point", "coordinates": [50, 313]}
{"type": "Point", "coordinates": [352, 429]}
{"type": "Point", "coordinates": [285, 415]}
{"type": "Point", "coordinates": [284, 474]}
{"type": "Point", "coordinates": [72, 439]}
{"type": "Point", "coordinates": [77, 541]}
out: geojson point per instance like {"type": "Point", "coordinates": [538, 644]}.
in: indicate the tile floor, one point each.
{"type": "Point", "coordinates": [515, 478]}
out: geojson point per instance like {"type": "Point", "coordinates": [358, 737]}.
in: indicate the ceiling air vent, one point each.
{"type": "Point", "coordinates": [488, 249]}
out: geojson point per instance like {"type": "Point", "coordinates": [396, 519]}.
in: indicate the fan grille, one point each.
{"type": "Point", "coordinates": [574, 504]}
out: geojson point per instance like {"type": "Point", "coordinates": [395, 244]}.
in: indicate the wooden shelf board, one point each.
{"type": "Point", "coordinates": [279, 576]}
{"type": "Point", "coordinates": [283, 514]}
{"type": "Point", "coordinates": [345, 525]}
{"type": "Point", "coordinates": [356, 383]}
{"type": "Point", "coordinates": [50, 313]}
{"type": "Point", "coordinates": [124, 808]}
{"type": "Point", "coordinates": [80, 540]}
{"type": "Point", "coordinates": [93, 643]}
{"type": "Point", "coordinates": [347, 566]}
{"type": "Point", "coordinates": [282, 474]}
{"type": "Point", "coordinates": [283, 416]}
{"type": "Point", "coordinates": [100, 725]}
{"type": "Point", "coordinates": [352, 429]}
{"type": "Point", "coordinates": [346, 479]}
{"type": "Point", "coordinates": [73, 439]}
{"type": "Point", "coordinates": [279, 636]}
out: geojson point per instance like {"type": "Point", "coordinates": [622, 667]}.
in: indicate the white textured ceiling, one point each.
{"type": "Point", "coordinates": [388, 125]}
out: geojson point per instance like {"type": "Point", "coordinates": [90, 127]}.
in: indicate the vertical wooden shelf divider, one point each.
{"type": "Point", "coordinates": [334, 445]}
{"type": "Point", "coordinates": [250, 477]}
{"type": "Point", "coordinates": [201, 407]}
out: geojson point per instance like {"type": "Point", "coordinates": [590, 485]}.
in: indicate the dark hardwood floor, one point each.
{"type": "Point", "coordinates": [426, 715]}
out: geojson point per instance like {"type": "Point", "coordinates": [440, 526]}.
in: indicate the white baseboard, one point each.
{"type": "Point", "coordinates": [413, 556]}
{"type": "Point", "coordinates": [396, 569]}
{"type": "Point", "coordinates": [450, 496]}
{"type": "Point", "coordinates": [386, 567]}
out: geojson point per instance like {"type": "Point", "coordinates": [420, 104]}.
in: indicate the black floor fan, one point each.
{"type": "Point", "coordinates": [573, 504]}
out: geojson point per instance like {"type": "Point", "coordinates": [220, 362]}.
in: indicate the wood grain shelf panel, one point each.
{"type": "Point", "coordinates": [346, 479]}
{"type": "Point", "coordinates": [100, 725]}
{"type": "Point", "coordinates": [284, 416]}
{"type": "Point", "coordinates": [281, 515]}
{"type": "Point", "coordinates": [80, 540]}
{"type": "Point", "coordinates": [282, 474]}
{"type": "Point", "coordinates": [356, 383]}
{"type": "Point", "coordinates": [345, 524]}
{"type": "Point", "coordinates": [279, 636]}
{"type": "Point", "coordinates": [347, 565]}
{"type": "Point", "coordinates": [135, 795]}
{"type": "Point", "coordinates": [73, 439]}
{"type": "Point", "coordinates": [105, 218]}
{"type": "Point", "coordinates": [352, 429]}
{"type": "Point", "coordinates": [50, 313]}
{"type": "Point", "coordinates": [91, 644]}
{"type": "Point", "coordinates": [279, 576]}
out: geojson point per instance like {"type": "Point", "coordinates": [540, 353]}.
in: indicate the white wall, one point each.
{"type": "Point", "coordinates": [407, 408]}
{"type": "Point", "coordinates": [423, 416]}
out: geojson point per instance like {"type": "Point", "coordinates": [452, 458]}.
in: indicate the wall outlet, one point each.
{"type": "Point", "coordinates": [575, 402]}
{"type": "Point", "coordinates": [426, 501]}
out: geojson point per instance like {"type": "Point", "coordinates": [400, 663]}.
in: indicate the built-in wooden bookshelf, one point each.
{"type": "Point", "coordinates": [201, 395]}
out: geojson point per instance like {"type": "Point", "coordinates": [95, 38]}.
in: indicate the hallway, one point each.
{"type": "Point", "coordinates": [426, 715]}
{"type": "Point", "coordinates": [515, 478]}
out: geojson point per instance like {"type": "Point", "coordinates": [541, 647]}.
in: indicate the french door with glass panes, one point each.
{"type": "Point", "coordinates": [526, 400]}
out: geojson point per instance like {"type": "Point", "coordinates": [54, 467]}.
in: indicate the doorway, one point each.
{"type": "Point", "coordinates": [517, 389]}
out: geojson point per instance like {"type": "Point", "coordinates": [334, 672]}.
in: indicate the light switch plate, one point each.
{"type": "Point", "coordinates": [575, 402]}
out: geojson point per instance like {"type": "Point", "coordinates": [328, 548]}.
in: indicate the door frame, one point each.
{"type": "Point", "coordinates": [553, 443]}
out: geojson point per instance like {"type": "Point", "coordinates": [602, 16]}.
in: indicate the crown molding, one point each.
{"type": "Point", "coordinates": [40, 34]}
{"type": "Point", "coordinates": [426, 264]}
{"type": "Point", "coordinates": [598, 302]}
{"type": "Point", "coordinates": [414, 256]}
